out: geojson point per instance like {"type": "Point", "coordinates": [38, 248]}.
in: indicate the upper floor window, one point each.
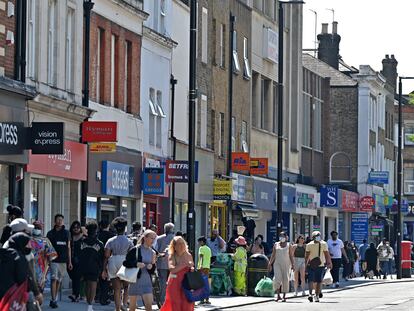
{"type": "Point", "coordinates": [52, 43]}
{"type": "Point", "coordinates": [70, 48]}
{"type": "Point", "coordinates": [32, 38]}
{"type": "Point", "coordinates": [204, 36]}
{"type": "Point", "coordinates": [246, 70]}
{"type": "Point", "coordinates": [236, 65]}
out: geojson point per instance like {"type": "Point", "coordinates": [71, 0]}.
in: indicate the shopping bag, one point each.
{"type": "Point", "coordinates": [128, 274]}
{"type": "Point", "coordinates": [327, 279]}
{"type": "Point", "coordinates": [193, 280]}
{"type": "Point", "coordinates": [265, 288]}
{"type": "Point", "coordinates": [198, 294]}
{"type": "Point", "coordinates": [15, 298]}
{"type": "Point", "coordinates": [292, 275]}
{"type": "Point", "coordinates": [357, 270]}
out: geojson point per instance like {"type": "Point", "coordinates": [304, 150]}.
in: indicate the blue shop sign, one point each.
{"type": "Point", "coordinates": [117, 179]}
{"type": "Point", "coordinates": [271, 229]}
{"type": "Point", "coordinates": [359, 227]}
{"type": "Point", "coordinates": [153, 180]}
{"type": "Point", "coordinates": [265, 196]}
{"type": "Point", "coordinates": [329, 196]}
{"type": "Point", "coordinates": [378, 177]}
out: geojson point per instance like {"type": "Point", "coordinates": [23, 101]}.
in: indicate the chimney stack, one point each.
{"type": "Point", "coordinates": [328, 49]}
{"type": "Point", "coordinates": [389, 70]}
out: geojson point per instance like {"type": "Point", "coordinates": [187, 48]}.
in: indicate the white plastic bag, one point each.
{"type": "Point", "coordinates": [357, 270]}
{"type": "Point", "coordinates": [327, 279]}
{"type": "Point", "coordinates": [292, 275]}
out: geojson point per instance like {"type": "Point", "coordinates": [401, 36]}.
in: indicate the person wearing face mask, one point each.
{"type": "Point", "coordinates": [14, 212]}
{"type": "Point", "coordinates": [43, 254]}
{"type": "Point", "coordinates": [336, 250]}
{"type": "Point", "coordinates": [316, 257]}
{"type": "Point", "coordinates": [216, 244]}
{"type": "Point", "coordinates": [282, 261]}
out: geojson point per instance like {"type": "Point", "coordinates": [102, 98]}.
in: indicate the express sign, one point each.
{"type": "Point", "coordinates": [12, 138]}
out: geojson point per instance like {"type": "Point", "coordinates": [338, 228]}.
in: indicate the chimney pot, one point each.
{"type": "Point", "coordinates": [392, 56]}
{"type": "Point", "coordinates": [334, 28]}
{"type": "Point", "coordinates": [387, 56]}
{"type": "Point", "coordinates": [324, 28]}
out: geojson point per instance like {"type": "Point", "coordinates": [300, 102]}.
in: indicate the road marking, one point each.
{"type": "Point", "coordinates": [398, 302]}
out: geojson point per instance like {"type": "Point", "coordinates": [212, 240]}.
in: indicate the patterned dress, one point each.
{"type": "Point", "coordinates": [43, 253]}
{"type": "Point", "coordinates": [240, 266]}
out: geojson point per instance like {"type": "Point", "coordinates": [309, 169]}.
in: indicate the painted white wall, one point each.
{"type": "Point", "coordinates": [180, 67]}
{"type": "Point", "coordinates": [155, 73]}
{"type": "Point", "coordinates": [152, 7]}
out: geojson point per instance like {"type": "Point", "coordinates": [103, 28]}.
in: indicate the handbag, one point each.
{"type": "Point", "coordinates": [15, 298]}
{"type": "Point", "coordinates": [316, 262]}
{"type": "Point", "coordinates": [199, 294]}
{"type": "Point", "coordinates": [128, 274]}
{"type": "Point", "coordinates": [193, 280]}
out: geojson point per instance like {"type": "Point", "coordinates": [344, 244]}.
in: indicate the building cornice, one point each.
{"type": "Point", "coordinates": [158, 38]}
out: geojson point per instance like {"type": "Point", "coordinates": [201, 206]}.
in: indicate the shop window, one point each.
{"type": "Point", "coordinates": [57, 197]}
{"type": "Point", "coordinates": [37, 199]}
{"type": "Point", "coordinates": [4, 192]}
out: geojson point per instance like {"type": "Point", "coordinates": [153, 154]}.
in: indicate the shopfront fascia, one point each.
{"type": "Point", "coordinates": [52, 184]}
{"type": "Point", "coordinates": [305, 216]}
{"type": "Point", "coordinates": [348, 204]}
{"type": "Point", "coordinates": [114, 185]}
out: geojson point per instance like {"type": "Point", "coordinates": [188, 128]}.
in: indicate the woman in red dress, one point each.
{"type": "Point", "coordinates": [180, 262]}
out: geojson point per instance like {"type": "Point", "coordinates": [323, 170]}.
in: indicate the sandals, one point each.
{"type": "Point", "coordinates": [73, 298]}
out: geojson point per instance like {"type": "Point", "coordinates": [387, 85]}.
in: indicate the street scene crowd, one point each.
{"type": "Point", "coordinates": [105, 263]}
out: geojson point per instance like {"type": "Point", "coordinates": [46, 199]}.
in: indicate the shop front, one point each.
{"type": "Point", "coordinates": [52, 184]}
{"type": "Point", "coordinates": [305, 217]}
{"type": "Point", "coordinates": [114, 185]}
{"type": "Point", "coordinates": [348, 204]}
{"type": "Point", "coordinates": [13, 157]}
{"type": "Point", "coordinates": [329, 211]}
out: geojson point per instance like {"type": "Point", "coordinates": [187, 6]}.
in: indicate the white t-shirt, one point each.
{"type": "Point", "coordinates": [335, 247]}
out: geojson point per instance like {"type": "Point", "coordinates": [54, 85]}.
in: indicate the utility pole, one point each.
{"type": "Point", "coordinates": [232, 20]}
{"type": "Point", "coordinates": [173, 83]}
{"type": "Point", "coordinates": [191, 127]}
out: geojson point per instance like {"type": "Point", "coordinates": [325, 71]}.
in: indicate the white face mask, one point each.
{"type": "Point", "coordinates": [318, 238]}
{"type": "Point", "coordinates": [37, 232]}
{"type": "Point", "coordinates": [282, 239]}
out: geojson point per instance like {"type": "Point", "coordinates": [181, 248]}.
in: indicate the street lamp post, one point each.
{"type": "Point", "coordinates": [400, 173]}
{"type": "Point", "coordinates": [280, 117]}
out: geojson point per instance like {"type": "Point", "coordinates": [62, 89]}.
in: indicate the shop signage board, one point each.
{"type": "Point", "coordinates": [259, 166]}
{"type": "Point", "coordinates": [350, 201]}
{"type": "Point", "coordinates": [222, 189]}
{"type": "Point", "coordinates": [359, 227]}
{"type": "Point", "coordinates": [329, 196]}
{"type": "Point", "coordinates": [366, 204]}
{"type": "Point", "coordinates": [12, 138]}
{"type": "Point", "coordinates": [153, 180]}
{"type": "Point", "coordinates": [46, 138]}
{"type": "Point", "coordinates": [378, 177]}
{"type": "Point", "coordinates": [72, 164]}
{"type": "Point", "coordinates": [117, 179]}
{"type": "Point", "coordinates": [177, 171]}
{"type": "Point", "coordinates": [102, 147]}
{"type": "Point", "coordinates": [305, 200]}
{"type": "Point", "coordinates": [99, 131]}
{"type": "Point", "coordinates": [240, 161]}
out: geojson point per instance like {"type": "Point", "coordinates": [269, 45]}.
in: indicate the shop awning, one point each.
{"type": "Point", "coordinates": [248, 210]}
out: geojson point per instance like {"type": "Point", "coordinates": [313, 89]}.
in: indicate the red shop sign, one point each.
{"type": "Point", "coordinates": [350, 201]}
{"type": "Point", "coordinates": [99, 131]}
{"type": "Point", "coordinates": [366, 204]}
{"type": "Point", "coordinates": [240, 161]}
{"type": "Point", "coordinates": [72, 164]}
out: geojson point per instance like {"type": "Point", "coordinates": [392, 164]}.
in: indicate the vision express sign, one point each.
{"type": "Point", "coordinates": [42, 138]}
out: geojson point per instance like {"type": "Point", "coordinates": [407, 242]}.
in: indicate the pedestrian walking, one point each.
{"type": "Point", "coordinates": [91, 261]}
{"type": "Point", "coordinates": [390, 260]}
{"type": "Point", "coordinates": [180, 262]}
{"type": "Point", "coordinates": [384, 252]}
{"type": "Point", "coordinates": [299, 251]}
{"type": "Point", "coordinates": [371, 257]}
{"type": "Point", "coordinates": [13, 213]}
{"type": "Point", "coordinates": [283, 263]}
{"type": "Point", "coordinates": [144, 257]}
{"type": "Point", "coordinates": [362, 249]}
{"type": "Point", "coordinates": [231, 244]}
{"type": "Point", "coordinates": [59, 237]}
{"type": "Point", "coordinates": [43, 254]}
{"type": "Point", "coordinates": [316, 257]}
{"type": "Point", "coordinates": [19, 225]}
{"type": "Point", "coordinates": [136, 232]}
{"type": "Point", "coordinates": [216, 244]}
{"type": "Point", "coordinates": [257, 247]}
{"type": "Point", "coordinates": [104, 235]}
{"type": "Point", "coordinates": [240, 267]}
{"type": "Point", "coordinates": [336, 251]}
{"type": "Point", "coordinates": [349, 262]}
{"type": "Point", "coordinates": [116, 249]}
{"type": "Point", "coordinates": [163, 242]}
{"type": "Point", "coordinates": [204, 261]}
{"type": "Point", "coordinates": [75, 274]}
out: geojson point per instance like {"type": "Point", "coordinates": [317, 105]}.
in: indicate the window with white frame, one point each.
{"type": "Point", "coordinates": [160, 109]}
{"type": "Point", "coordinates": [153, 114]}
{"type": "Point", "coordinates": [246, 70]}
{"type": "Point", "coordinates": [243, 137]}
{"type": "Point", "coordinates": [32, 33]}
{"type": "Point", "coordinates": [236, 64]}
{"type": "Point", "coordinates": [203, 121]}
{"type": "Point", "coordinates": [113, 46]}
{"type": "Point", "coordinates": [408, 180]}
{"type": "Point", "coordinates": [70, 48]}
{"type": "Point", "coordinates": [52, 42]}
{"type": "Point", "coordinates": [221, 134]}
{"type": "Point", "coordinates": [163, 14]}
{"type": "Point", "coordinates": [317, 124]}
{"type": "Point", "coordinates": [204, 35]}
{"type": "Point", "coordinates": [222, 45]}
{"type": "Point", "coordinates": [233, 134]}
{"type": "Point", "coordinates": [306, 120]}
{"type": "Point", "coordinates": [161, 115]}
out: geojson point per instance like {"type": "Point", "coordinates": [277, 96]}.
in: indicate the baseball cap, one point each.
{"type": "Point", "coordinates": [315, 233]}
{"type": "Point", "coordinates": [20, 225]}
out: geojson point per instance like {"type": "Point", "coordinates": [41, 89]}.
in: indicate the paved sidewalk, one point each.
{"type": "Point", "coordinates": [222, 302]}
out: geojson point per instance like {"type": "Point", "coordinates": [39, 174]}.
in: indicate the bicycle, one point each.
{"type": "Point", "coordinates": [156, 286]}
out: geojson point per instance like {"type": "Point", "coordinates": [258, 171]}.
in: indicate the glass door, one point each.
{"type": "Point", "coordinates": [57, 199]}
{"type": "Point", "coordinates": [37, 199]}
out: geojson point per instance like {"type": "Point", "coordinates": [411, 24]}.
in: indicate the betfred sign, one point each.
{"type": "Point", "coordinates": [99, 131]}
{"type": "Point", "coordinates": [366, 204]}
{"type": "Point", "coordinates": [177, 171]}
{"type": "Point", "coordinates": [12, 138]}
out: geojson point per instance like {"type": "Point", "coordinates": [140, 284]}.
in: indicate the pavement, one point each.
{"type": "Point", "coordinates": [238, 303]}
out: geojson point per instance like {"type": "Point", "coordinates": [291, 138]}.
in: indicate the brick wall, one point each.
{"type": "Point", "coordinates": [6, 51]}
{"type": "Point", "coordinates": [122, 35]}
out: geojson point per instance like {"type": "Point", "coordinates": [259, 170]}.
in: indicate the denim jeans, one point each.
{"type": "Point", "coordinates": [384, 265]}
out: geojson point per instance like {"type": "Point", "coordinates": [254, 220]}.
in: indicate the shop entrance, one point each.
{"type": "Point", "coordinates": [218, 219]}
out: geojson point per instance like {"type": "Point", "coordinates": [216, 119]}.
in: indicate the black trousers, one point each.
{"type": "Point", "coordinates": [75, 275]}
{"type": "Point", "coordinates": [336, 265]}
{"type": "Point", "coordinates": [103, 290]}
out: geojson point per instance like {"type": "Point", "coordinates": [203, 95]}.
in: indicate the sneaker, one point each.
{"type": "Point", "coordinates": [53, 304]}
{"type": "Point", "coordinates": [317, 298]}
{"type": "Point", "coordinates": [310, 298]}
{"type": "Point", "coordinates": [303, 294]}
{"type": "Point", "coordinates": [207, 302]}
{"type": "Point", "coordinates": [320, 295]}
{"type": "Point", "coordinates": [336, 285]}
{"type": "Point", "coordinates": [90, 308]}
{"type": "Point", "coordinates": [124, 308]}
{"type": "Point", "coordinates": [296, 293]}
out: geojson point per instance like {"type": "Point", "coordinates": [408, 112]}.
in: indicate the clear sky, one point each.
{"type": "Point", "coordinates": [369, 30]}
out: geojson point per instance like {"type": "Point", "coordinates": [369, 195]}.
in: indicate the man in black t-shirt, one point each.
{"type": "Point", "coordinates": [59, 237]}
{"type": "Point", "coordinates": [104, 235]}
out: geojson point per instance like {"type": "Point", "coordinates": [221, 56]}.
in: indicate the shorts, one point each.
{"type": "Point", "coordinates": [57, 270]}
{"type": "Point", "coordinates": [316, 275]}
{"type": "Point", "coordinates": [93, 277]}
{"type": "Point", "coordinates": [299, 263]}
